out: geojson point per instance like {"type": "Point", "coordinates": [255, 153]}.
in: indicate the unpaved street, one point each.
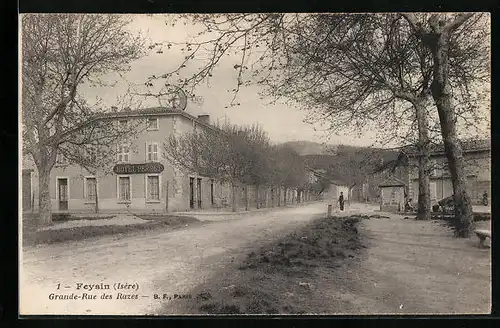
{"type": "Point", "coordinates": [162, 263]}
{"type": "Point", "coordinates": [410, 267]}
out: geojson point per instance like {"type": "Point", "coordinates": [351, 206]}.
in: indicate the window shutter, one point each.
{"type": "Point", "coordinates": [155, 152]}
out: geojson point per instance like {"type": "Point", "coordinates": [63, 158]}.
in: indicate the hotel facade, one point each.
{"type": "Point", "coordinates": [142, 179]}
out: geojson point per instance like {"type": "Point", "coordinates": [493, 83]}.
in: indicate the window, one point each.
{"type": "Point", "coordinates": [61, 159]}
{"type": "Point", "coordinates": [152, 123]}
{"type": "Point", "coordinates": [90, 186]}
{"type": "Point", "coordinates": [153, 187]}
{"type": "Point", "coordinates": [124, 188]}
{"type": "Point", "coordinates": [123, 153]}
{"type": "Point", "coordinates": [152, 151]}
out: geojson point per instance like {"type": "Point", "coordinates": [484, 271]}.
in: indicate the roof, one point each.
{"type": "Point", "coordinates": [392, 181]}
{"type": "Point", "coordinates": [390, 163]}
{"type": "Point", "coordinates": [468, 146]}
{"type": "Point", "coordinates": [338, 182]}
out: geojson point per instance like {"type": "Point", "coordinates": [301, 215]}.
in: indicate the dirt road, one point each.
{"type": "Point", "coordinates": [410, 267]}
{"type": "Point", "coordinates": [157, 263]}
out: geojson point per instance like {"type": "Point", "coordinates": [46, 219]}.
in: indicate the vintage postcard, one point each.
{"type": "Point", "coordinates": [249, 164]}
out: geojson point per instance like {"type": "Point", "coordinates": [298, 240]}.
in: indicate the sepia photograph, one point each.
{"type": "Point", "coordinates": [254, 164]}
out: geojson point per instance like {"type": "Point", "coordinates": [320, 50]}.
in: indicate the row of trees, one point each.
{"type": "Point", "coordinates": [400, 72]}
{"type": "Point", "coordinates": [63, 52]}
{"type": "Point", "coordinates": [240, 156]}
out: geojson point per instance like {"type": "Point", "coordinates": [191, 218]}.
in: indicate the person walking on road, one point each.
{"type": "Point", "coordinates": [341, 201]}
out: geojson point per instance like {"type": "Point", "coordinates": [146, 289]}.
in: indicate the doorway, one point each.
{"type": "Point", "coordinates": [191, 192]}
{"type": "Point", "coordinates": [198, 189]}
{"type": "Point", "coordinates": [62, 193]}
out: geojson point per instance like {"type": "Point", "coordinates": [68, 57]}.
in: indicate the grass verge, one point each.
{"type": "Point", "coordinates": [32, 236]}
{"type": "Point", "coordinates": [280, 277]}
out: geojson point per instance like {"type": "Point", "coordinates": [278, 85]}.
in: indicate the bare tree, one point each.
{"type": "Point", "coordinates": [228, 153]}
{"type": "Point", "coordinates": [60, 52]}
{"type": "Point", "coordinates": [345, 69]}
{"type": "Point", "coordinates": [289, 170]}
{"type": "Point", "coordinates": [240, 155]}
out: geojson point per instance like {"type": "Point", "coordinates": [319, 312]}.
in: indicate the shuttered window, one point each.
{"type": "Point", "coordinates": [152, 152]}
{"type": "Point", "coordinates": [153, 187]}
{"type": "Point", "coordinates": [90, 189]}
{"type": "Point", "coordinates": [124, 188]}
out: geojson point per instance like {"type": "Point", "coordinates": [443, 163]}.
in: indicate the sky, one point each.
{"type": "Point", "coordinates": [282, 122]}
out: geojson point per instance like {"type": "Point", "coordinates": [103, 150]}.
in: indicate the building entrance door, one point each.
{"type": "Point", "coordinates": [191, 192]}
{"type": "Point", "coordinates": [63, 194]}
{"type": "Point", "coordinates": [198, 188]}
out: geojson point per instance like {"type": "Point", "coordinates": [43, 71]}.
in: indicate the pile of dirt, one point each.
{"type": "Point", "coordinates": [240, 300]}
{"type": "Point", "coordinates": [278, 278]}
{"type": "Point", "coordinates": [321, 243]}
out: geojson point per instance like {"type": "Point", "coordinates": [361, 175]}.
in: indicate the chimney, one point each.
{"type": "Point", "coordinates": [204, 118]}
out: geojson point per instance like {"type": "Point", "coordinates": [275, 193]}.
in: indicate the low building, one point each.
{"type": "Point", "coordinates": [142, 179]}
{"type": "Point", "coordinates": [393, 166]}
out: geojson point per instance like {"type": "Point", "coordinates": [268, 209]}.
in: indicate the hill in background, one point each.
{"type": "Point", "coordinates": [311, 148]}
{"type": "Point", "coordinates": [350, 164]}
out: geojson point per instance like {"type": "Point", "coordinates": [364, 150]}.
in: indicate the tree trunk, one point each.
{"type": "Point", "coordinates": [96, 197]}
{"type": "Point", "coordinates": [266, 197]}
{"type": "Point", "coordinates": [424, 194]}
{"type": "Point", "coordinates": [441, 93]}
{"type": "Point", "coordinates": [272, 196]}
{"type": "Point", "coordinates": [279, 196]}
{"type": "Point", "coordinates": [166, 197]}
{"type": "Point", "coordinates": [284, 197]}
{"type": "Point", "coordinates": [233, 196]}
{"type": "Point", "coordinates": [246, 197]}
{"type": "Point", "coordinates": [257, 197]}
{"type": "Point", "coordinates": [44, 206]}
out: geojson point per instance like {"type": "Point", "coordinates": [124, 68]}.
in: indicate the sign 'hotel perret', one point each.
{"type": "Point", "coordinates": [141, 179]}
{"type": "Point", "coordinates": [138, 168]}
